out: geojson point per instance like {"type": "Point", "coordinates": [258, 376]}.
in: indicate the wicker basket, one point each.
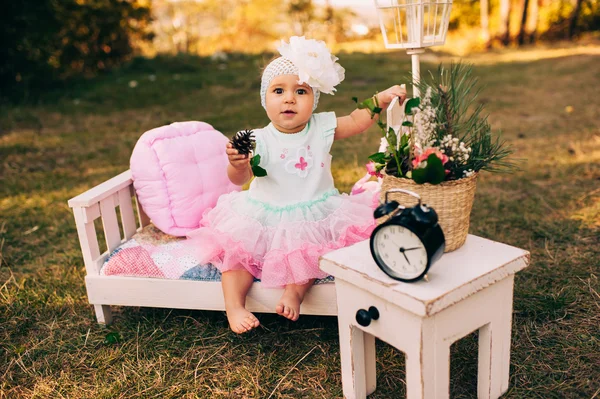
{"type": "Point", "coordinates": [452, 200]}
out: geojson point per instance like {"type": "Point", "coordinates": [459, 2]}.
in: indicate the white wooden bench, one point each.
{"type": "Point", "coordinates": [101, 202]}
{"type": "Point", "coordinates": [103, 291]}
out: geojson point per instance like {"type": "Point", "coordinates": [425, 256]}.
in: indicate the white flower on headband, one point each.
{"type": "Point", "coordinates": [317, 67]}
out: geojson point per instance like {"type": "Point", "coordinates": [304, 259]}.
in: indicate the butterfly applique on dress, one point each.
{"type": "Point", "coordinates": [300, 164]}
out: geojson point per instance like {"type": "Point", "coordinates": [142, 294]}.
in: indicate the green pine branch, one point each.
{"type": "Point", "coordinates": [455, 95]}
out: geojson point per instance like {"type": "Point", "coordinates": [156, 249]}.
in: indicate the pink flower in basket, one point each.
{"type": "Point", "coordinates": [423, 156]}
{"type": "Point", "coordinates": [372, 170]}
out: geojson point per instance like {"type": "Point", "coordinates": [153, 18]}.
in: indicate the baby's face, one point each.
{"type": "Point", "coordinates": [289, 105]}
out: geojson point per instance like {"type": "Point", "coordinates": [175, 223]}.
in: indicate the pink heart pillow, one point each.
{"type": "Point", "coordinates": [179, 170]}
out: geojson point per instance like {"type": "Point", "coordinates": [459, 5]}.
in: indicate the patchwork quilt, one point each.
{"type": "Point", "coordinates": [152, 253]}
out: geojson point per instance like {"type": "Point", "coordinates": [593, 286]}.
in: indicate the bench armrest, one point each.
{"type": "Point", "coordinates": [102, 202]}
{"type": "Point", "coordinates": [102, 190]}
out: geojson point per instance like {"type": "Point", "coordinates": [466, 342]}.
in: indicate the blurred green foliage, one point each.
{"type": "Point", "coordinates": [560, 15]}
{"type": "Point", "coordinates": [464, 13]}
{"type": "Point", "coordinates": [42, 42]}
{"type": "Point", "coordinates": [552, 18]}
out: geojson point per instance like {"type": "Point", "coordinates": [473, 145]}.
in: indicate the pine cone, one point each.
{"type": "Point", "coordinates": [244, 141]}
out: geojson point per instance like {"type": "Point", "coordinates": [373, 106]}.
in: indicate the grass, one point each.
{"type": "Point", "coordinates": [51, 346]}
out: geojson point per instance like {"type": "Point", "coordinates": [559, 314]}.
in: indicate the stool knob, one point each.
{"type": "Point", "coordinates": [364, 317]}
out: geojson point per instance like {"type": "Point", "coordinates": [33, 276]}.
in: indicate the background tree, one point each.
{"type": "Point", "coordinates": [566, 19]}
{"type": "Point", "coordinates": [302, 13]}
{"type": "Point", "coordinates": [504, 27]}
{"type": "Point", "coordinates": [46, 41]}
{"type": "Point", "coordinates": [251, 26]}
{"type": "Point", "coordinates": [184, 26]}
{"type": "Point", "coordinates": [573, 18]}
{"type": "Point", "coordinates": [485, 22]}
{"type": "Point", "coordinates": [532, 21]}
{"type": "Point", "coordinates": [523, 27]}
{"type": "Point", "coordinates": [328, 17]}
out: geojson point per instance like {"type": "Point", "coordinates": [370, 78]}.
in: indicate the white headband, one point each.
{"type": "Point", "coordinates": [277, 67]}
{"type": "Point", "coordinates": [310, 60]}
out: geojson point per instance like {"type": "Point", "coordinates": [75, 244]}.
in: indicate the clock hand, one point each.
{"type": "Point", "coordinates": [405, 257]}
{"type": "Point", "coordinates": [406, 249]}
{"type": "Point", "coordinates": [395, 243]}
{"type": "Point", "coordinates": [399, 245]}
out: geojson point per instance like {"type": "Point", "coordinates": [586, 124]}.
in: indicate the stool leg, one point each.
{"type": "Point", "coordinates": [442, 370]}
{"type": "Point", "coordinates": [370, 361]}
{"type": "Point", "coordinates": [484, 362]}
{"type": "Point", "coordinates": [500, 340]}
{"type": "Point", "coordinates": [428, 370]}
{"type": "Point", "coordinates": [415, 378]}
{"type": "Point", "coordinates": [352, 354]}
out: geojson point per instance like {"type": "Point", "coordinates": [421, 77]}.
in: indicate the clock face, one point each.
{"type": "Point", "coordinates": [401, 251]}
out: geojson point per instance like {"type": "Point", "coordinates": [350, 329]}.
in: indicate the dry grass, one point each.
{"type": "Point", "coordinates": [51, 346]}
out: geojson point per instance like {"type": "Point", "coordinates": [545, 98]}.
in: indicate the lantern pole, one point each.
{"type": "Point", "coordinates": [416, 68]}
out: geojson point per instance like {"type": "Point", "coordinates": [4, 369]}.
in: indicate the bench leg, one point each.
{"type": "Point", "coordinates": [103, 314]}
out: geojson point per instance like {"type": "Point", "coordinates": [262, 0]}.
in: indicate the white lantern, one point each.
{"type": "Point", "coordinates": [413, 25]}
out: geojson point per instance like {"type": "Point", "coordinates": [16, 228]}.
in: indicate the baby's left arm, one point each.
{"type": "Point", "coordinates": [360, 119]}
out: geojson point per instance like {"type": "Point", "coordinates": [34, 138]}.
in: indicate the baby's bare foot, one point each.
{"type": "Point", "coordinates": [241, 320]}
{"type": "Point", "coordinates": [289, 304]}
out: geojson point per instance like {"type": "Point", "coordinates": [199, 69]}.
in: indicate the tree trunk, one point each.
{"type": "Point", "coordinates": [573, 19]}
{"type": "Point", "coordinates": [504, 32]}
{"type": "Point", "coordinates": [521, 38]}
{"type": "Point", "coordinates": [328, 23]}
{"type": "Point", "coordinates": [532, 22]}
{"type": "Point", "coordinates": [485, 22]}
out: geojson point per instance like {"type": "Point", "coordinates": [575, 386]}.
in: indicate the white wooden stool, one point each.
{"type": "Point", "coordinates": [468, 289]}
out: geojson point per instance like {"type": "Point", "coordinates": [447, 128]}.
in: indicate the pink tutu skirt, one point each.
{"type": "Point", "coordinates": [281, 245]}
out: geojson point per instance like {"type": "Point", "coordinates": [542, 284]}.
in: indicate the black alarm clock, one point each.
{"type": "Point", "coordinates": [409, 241]}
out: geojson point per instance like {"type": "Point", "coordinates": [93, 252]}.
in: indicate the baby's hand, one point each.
{"type": "Point", "coordinates": [237, 160]}
{"type": "Point", "coordinates": [386, 96]}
